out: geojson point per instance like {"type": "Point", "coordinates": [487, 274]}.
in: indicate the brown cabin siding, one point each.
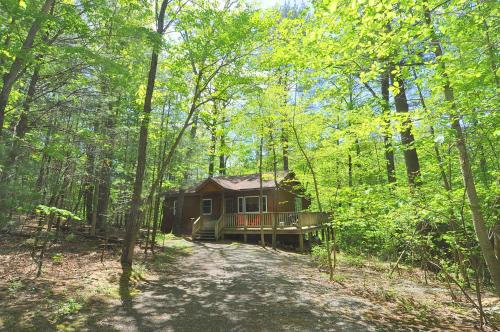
{"type": "Point", "coordinates": [277, 201]}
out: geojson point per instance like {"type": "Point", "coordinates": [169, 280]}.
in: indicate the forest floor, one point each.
{"type": "Point", "coordinates": [206, 286]}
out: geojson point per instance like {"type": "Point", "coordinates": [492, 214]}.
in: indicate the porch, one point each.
{"type": "Point", "coordinates": [274, 223]}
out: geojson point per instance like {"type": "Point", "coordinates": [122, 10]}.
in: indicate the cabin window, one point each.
{"type": "Point", "coordinates": [206, 206]}
{"type": "Point", "coordinates": [174, 208]}
{"type": "Point", "coordinates": [250, 204]}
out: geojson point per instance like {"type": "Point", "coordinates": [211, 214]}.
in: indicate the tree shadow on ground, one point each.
{"type": "Point", "coordinates": [245, 288]}
{"type": "Point", "coordinates": [213, 287]}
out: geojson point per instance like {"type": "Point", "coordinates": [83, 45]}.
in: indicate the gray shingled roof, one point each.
{"type": "Point", "coordinates": [239, 182]}
{"type": "Point", "coordinates": [247, 182]}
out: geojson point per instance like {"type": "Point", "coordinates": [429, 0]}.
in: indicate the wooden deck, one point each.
{"type": "Point", "coordinates": [275, 223]}
{"type": "Point", "coordinates": [281, 222]}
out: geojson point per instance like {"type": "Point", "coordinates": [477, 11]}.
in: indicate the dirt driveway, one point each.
{"type": "Point", "coordinates": [193, 286]}
{"type": "Point", "coordinates": [238, 287]}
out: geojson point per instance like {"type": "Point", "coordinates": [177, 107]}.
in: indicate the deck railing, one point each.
{"type": "Point", "coordinates": [218, 228]}
{"type": "Point", "coordinates": [270, 219]}
{"type": "Point", "coordinates": [196, 226]}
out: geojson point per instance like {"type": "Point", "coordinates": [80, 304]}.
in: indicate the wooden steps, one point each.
{"type": "Point", "coordinates": [205, 235]}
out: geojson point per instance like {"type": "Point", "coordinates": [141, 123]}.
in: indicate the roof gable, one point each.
{"type": "Point", "coordinates": [247, 182]}
{"type": "Point", "coordinates": [238, 182]}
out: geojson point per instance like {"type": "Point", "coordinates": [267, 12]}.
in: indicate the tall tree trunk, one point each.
{"type": "Point", "coordinates": [477, 216]}
{"type": "Point", "coordinates": [407, 138]}
{"type": "Point", "coordinates": [22, 125]}
{"type": "Point", "coordinates": [89, 183]}
{"type": "Point", "coordinates": [222, 156]}
{"type": "Point", "coordinates": [176, 227]}
{"type": "Point", "coordinates": [211, 157]}
{"type": "Point", "coordinates": [20, 131]}
{"type": "Point", "coordinates": [162, 148]}
{"type": "Point", "coordinates": [458, 255]}
{"type": "Point", "coordinates": [261, 192]}
{"type": "Point", "coordinates": [284, 142]}
{"type": "Point", "coordinates": [283, 80]}
{"type": "Point", "coordinates": [329, 229]}
{"type": "Point", "coordinates": [41, 178]}
{"type": "Point", "coordinates": [166, 161]}
{"type": "Point", "coordinates": [349, 169]}
{"type": "Point", "coordinates": [132, 219]}
{"type": "Point", "coordinates": [388, 148]}
{"type": "Point", "coordinates": [480, 228]}
{"type": "Point", "coordinates": [105, 169]}
{"type": "Point", "coordinates": [275, 191]}
{"type": "Point", "coordinates": [95, 197]}
{"type": "Point", "coordinates": [12, 75]}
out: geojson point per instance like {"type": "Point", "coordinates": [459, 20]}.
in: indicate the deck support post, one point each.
{"type": "Point", "coordinates": [274, 232]}
{"type": "Point", "coordinates": [245, 228]}
{"type": "Point", "coordinates": [301, 242]}
{"type": "Point", "coordinates": [222, 216]}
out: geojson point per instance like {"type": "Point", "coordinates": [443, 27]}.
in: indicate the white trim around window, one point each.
{"type": "Point", "coordinates": [242, 204]}
{"type": "Point", "coordinates": [203, 211]}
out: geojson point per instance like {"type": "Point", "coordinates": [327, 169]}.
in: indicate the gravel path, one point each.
{"type": "Point", "coordinates": [222, 287]}
{"type": "Point", "coordinates": [215, 287]}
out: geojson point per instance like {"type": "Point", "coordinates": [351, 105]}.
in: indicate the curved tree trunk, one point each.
{"type": "Point", "coordinates": [480, 228]}
{"type": "Point", "coordinates": [132, 223]}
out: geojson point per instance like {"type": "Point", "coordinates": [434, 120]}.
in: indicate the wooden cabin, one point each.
{"type": "Point", "coordinates": [225, 205]}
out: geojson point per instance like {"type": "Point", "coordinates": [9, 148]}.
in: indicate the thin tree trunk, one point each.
{"type": "Point", "coordinates": [222, 157]}
{"type": "Point", "coordinates": [480, 228]}
{"type": "Point", "coordinates": [284, 124]}
{"type": "Point", "coordinates": [161, 151]}
{"type": "Point", "coordinates": [477, 216]}
{"type": "Point", "coordinates": [176, 227]}
{"type": "Point", "coordinates": [166, 162]}
{"type": "Point", "coordinates": [213, 140]}
{"type": "Point", "coordinates": [20, 131]}
{"type": "Point", "coordinates": [388, 148]}
{"type": "Point", "coordinates": [211, 157]}
{"type": "Point", "coordinates": [12, 75]}
{"type": "Point", "coordinates": [275, 177]}
{"type": "Point", "coordinates": [105, 169]}
{"type": "Point", "coordinates": [94, 211]}
{"type": "Point", "coordinates": [459, 258]}
{"type": "Point", "coordinates": [316, 191]}
{"type": "Point", "coordinates": [284, 141]}
{"type": "Point", "coordinates": [89, 184]}
{"type": "Point", "coordinates": [132, 219]}
{"type": "Point", "coordinates": [261, 192]}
